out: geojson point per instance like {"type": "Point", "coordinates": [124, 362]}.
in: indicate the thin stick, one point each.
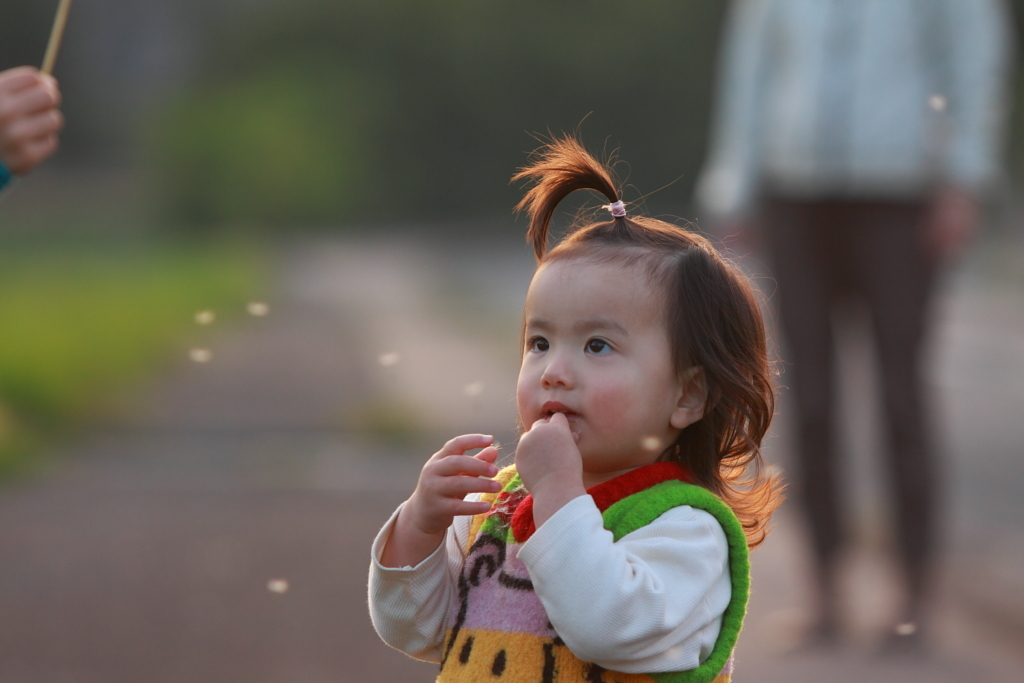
{"type": "Point", "coordinates": [56, 35]}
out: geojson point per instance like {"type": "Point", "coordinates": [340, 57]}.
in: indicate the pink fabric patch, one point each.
{"type": "Point", "coordinates": [495, 606]}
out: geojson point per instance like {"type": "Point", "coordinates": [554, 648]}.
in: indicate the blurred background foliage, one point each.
{"type": "Point", "coordinates": [267, 147]}
{"type": "Point", "coordinates": [334, 112]}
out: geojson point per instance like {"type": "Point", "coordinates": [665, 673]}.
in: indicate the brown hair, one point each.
{"type": "Point", "coordinates": [713, 318]}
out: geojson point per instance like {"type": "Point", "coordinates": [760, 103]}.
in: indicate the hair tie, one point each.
{"type": "Point", "coordinates": [617, 208]}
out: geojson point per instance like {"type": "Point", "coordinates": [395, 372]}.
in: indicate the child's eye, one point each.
{"type": "Point", "coordinates": [598, 345]}
{"type": "Point", "coordinates": [537, 344]}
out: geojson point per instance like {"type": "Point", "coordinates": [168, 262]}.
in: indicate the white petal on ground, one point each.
{"type": "Point", "coordinates": [389, 359]}
{"type": "Point", "coordinates": [907, 629]}
{"type": "Point", "coordinates": [257, 308]}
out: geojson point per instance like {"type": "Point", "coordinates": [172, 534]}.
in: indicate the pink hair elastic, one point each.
{"type": "Point", "coordinates": [617, 208]}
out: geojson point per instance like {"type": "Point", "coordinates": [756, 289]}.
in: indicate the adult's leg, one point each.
{"type": "Point", "coordinates": [896, 277]}
{"type": "Point", "coordinates": [799, 239]}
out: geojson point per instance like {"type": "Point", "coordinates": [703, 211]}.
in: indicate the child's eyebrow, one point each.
{"type": "Point", "coordinates": [580, 326]}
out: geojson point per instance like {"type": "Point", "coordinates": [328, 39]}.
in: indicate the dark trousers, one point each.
{"type": "Point", "coordinates": [823, 252]}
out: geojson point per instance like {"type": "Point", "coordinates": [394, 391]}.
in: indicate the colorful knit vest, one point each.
{"type": "Point", "coordinates": [498, 628]}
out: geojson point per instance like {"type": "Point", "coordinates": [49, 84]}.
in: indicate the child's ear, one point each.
{"type": "Point", "coordinates": [692, 398]}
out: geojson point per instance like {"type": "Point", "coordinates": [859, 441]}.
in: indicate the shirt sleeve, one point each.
{"type": "Point", "coordinates": [409, 605]}
{"type": "Point", "coordinates": [653, 601]}
{"type": "Point", "coordinates": [5, 176]}
{"type": "Point", "coordinates": [977, 47]}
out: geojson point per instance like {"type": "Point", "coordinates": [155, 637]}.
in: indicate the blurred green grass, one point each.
{"type": "Point", "coordinates": [78, 323]}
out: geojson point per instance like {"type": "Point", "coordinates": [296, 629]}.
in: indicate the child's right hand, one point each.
{"type": "Point", "coordinates": [448, 477]}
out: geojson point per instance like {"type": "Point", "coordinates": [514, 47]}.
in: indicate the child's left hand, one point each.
{"type": "Point", "coordinates": [550, 465]}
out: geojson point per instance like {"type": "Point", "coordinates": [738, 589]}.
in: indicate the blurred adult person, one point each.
{"type": "Point", "coordinates": [860, 138]}
{"type": "Point", "coordinates": [30, 119]}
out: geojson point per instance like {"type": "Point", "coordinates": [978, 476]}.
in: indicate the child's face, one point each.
{"type": "Point", "coordinates": [597, 348]}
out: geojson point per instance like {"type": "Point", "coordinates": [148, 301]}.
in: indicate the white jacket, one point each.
{"type": "Point", "coordinates": [858, 99]}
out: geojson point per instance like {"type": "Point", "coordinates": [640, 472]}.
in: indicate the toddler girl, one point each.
{"type": "Point", "coordinates": [615, 549]}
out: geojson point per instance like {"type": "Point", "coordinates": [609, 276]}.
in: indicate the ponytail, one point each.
{"type": "Point", "coordinates": [562, 167]}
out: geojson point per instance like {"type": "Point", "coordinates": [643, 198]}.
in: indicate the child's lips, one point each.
{"type": "Point", "coordinates": [552, 407]}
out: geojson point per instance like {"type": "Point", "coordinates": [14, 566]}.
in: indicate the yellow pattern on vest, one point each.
{"type": "Point", "coordinates": [525, 658]}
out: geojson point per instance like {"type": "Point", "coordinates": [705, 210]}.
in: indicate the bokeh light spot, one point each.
{"type": "Point", "coordinates": [906, 629]}
{"type": "Point", "coordinates": [279, 586]}
{"type": "Point", "coordinates": [651, 443]}
{"type": "Point", "coordinates": [200, 355]}
{"type": "Point", "coordinates": [205, 317]}
{"type": "Point", "coordinates": [257, 308]}
{"type": "Point", "coordinates": [389, 359]}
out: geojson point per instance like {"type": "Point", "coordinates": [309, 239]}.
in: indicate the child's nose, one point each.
{"type": "Point", "coordinates": [557, 373]}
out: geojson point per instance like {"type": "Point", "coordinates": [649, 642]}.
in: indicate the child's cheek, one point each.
{"type": "Point", "coordinates": [610, 407]}
{"type": "Point", "coordinates": [526, 389]}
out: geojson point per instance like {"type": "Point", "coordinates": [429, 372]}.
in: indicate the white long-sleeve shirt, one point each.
{"type": "Point", "coordinates": [653, 601]}
{"type": "Point", "coordinates": [863, 99]}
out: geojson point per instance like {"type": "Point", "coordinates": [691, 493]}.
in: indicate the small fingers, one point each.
{"type": "Point", "coordinates": [476, 507]}
{"type": "Point", "coordinates": [443, 512]}
{"type": "Point", "coordinates": [489, 454]}
{"type": "Point", "coordinates": [556, 420]}
{"type": "Point", "coordinates": [468, 465]}
{"type": "Point", "coordinates": [541, 421]}
{"type": "Point", "coordinates": [460, 487]}
{"type": "Point", "coordinates": [559, 419]}
{"type": "Point", "coordinates": [466, 442]}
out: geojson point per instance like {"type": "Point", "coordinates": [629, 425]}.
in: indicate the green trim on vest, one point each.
{"type": "Point", "coordinates": [640, 509]}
